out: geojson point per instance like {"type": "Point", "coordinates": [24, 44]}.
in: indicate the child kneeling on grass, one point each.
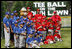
{"type": "Point", "coordinates": [49, 39]}
{"type": "Point", "coordinates": [30, 41]}
{"type": "Point", "coordinates": [38, 39]}
{"type": "Point", "coordinates": [57, 36]}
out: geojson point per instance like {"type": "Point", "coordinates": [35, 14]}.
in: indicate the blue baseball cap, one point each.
{"type": "Point", "coordinates": [12, 14]}
{"type": "Point", "coordinates": [15, 11]}
{"type": "Point", "coordinates": [15, 22]}
{"type": "Point", "coordinates": [31, 21]}
{"type": "Point", "coordinates": [24, 19]}
{"type": "Point", "coordinates": [27, 20]}
{"type": "Point", "coordinates": [21, 22]}
{"type": "Point", "coordinates": [7, 13]}
{"type": "Point", "coordinates": [39, 32]}
{"type": "Point", "coordinates": [31, 33]}
{"type": "Point", "coordinates": [35, 34]}
{"type": "Point", "coordinates": [17, 17]}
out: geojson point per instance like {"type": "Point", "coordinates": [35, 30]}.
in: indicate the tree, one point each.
{"type": "Point", "coordinates": [3, 9]}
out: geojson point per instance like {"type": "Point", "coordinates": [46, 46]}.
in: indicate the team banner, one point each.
{"type": "Point", "coordinates": [49, 7]}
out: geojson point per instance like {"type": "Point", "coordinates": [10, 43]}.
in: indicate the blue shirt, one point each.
{"type": "Point", "coordinates": [21, 30]}
{"type": "Point", "coordinates": [38, 39]}
{"type": "Point", "coordinates": [11, 22]}
{"type": "Point", "coordinates": [6, 21]}
{"type": "Point", "coordinates": [24, 26]}
{"type": "Point", "coordinates": [15, 17]}
{"type": "Point", "coordinates": [15, 30]}
{"type": "Point", "coordinates": [29, 40]}
{"type": "Point", "coordinates": [23, 19]}
{"type": "Point", "coordinates": [29, 30]}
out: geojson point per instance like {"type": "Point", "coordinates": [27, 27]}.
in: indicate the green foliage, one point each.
{"type": "Point", "coordinates": [3, 9]}
{"type": "Point", "coordinates": [17, 5]}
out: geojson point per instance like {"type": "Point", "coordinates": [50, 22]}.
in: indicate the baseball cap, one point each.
{"type": "Point", "coordinates": [31, 21]}
{"type": "Point", "coordinates": [38, 9]}
{"type": "Point", "coordinates": [56, 31]}
{"type": "Point", "coordinates": [31, 33]}
{"type": "Point", "coordinates": [17, 17]}
{"type": "Point", "coordinates": [28, 7]}
{"type": "Point", "coordinates": [15, 11]}
{"type": "Point", "coordinates": [7, 13]}
{"type": "Point", "coordinates": [44, 17]}
{"type": "Point", "coordinates": [12, 14]}
{"type": "Point", "coordinates": [23, 9]}
{"type": "Point", "coordinates": [21, 22]}
{"type": "Point", "coordinates": [54, 12]}
{"type": "Point", "coordinates": [15, 22]}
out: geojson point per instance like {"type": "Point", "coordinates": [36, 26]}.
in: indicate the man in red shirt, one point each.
{"type": "Point", "coordinates": [57, 36]}
{"type": "Point", "coordinates": [30, 15]}
{"type": "Point", "coordinates": [56, 17]}
{"type": "Point", "coordinates": [49, 38]}
{"type": "Point", "coordinates": [38, 16]}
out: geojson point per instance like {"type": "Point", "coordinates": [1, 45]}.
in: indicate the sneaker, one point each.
{"type": "Point", "coordinates": [7, 47]}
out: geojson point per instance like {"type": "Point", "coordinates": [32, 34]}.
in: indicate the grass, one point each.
{"type": "Point", "coordinates": [66, 43]}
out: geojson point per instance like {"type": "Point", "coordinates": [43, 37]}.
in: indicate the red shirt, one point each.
{"type": "Point", "coordinates": [33, 19]}
{"type": "Point", "coordinates": [57, 35]}
{"type": "Point", "coordinates": [30, 15]}
{"type": "Point", "coordinates": [50, 37]}
{"type": "Point", "coordinates": [55, 18]}
{"type": "Point", "coordinates": [58, 27]}
{"type": "Point", "coordinates": [38, 16]}
{"type": "Point", "coordinates": [43, 29]}
{"type": "Point", "coordinates": [50, 25]}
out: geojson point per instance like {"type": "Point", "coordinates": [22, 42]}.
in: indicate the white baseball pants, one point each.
{"type": "Point", "coordinates": [7, 37]}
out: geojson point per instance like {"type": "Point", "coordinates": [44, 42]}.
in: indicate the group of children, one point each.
{"type": "Point", "coordinates": [31, 31]}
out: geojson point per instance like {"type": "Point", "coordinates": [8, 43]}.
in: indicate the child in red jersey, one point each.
{"type": "Point", "coordinates": [57, 36]}
{"type": "Point", "coordinates": [50, 26]}
{"type": "Point", "coordinates": [58, 26]}
{"type": "Point", "coordinates": [49, 39]}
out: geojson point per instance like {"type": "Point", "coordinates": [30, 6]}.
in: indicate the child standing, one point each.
{"type": "Point", "coordinates": [22, 35]}
{"type": "Point", "coordinates": [15, 31]}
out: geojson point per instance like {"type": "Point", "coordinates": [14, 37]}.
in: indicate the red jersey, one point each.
{"type": "Point", "coordinates": [58, 27]}
{"type": "Point", "coordinates": [50, 37]}
{"type": "Point", "coordinates": [33, 19]}
{"type": "Point", "coordinates": [57, 35]}
{"type": "Point", "coordinates": [38, 16]}
{"type": "Point", "coordinates": [55, 18]}
{"type": "Point", "coordinates": [30, 15]}
{"type": "Point", "coordinates": [50, 25]}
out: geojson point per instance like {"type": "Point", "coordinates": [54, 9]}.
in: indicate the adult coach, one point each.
{"type": "Point", "coordinates": [6, 29]}
{"type": "Point", "coordinates": [56, 18]}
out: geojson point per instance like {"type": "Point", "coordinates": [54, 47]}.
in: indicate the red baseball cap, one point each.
{"type": "Point", "coordinates": [49, 18]}
{"type": "Point", "coordinates": [28, 7]}
{"type": "Point", "coordinates": [38, 9]}
{"type": "Point", "coordinates": [56, 31]}
{"type": "Point", "coordinates": [44, 17]}
{"type": "Point", "coordinates": [54, 12]}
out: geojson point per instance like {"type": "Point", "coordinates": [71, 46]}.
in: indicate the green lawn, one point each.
{"type": "Point", "coordinates": [66, 43]}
